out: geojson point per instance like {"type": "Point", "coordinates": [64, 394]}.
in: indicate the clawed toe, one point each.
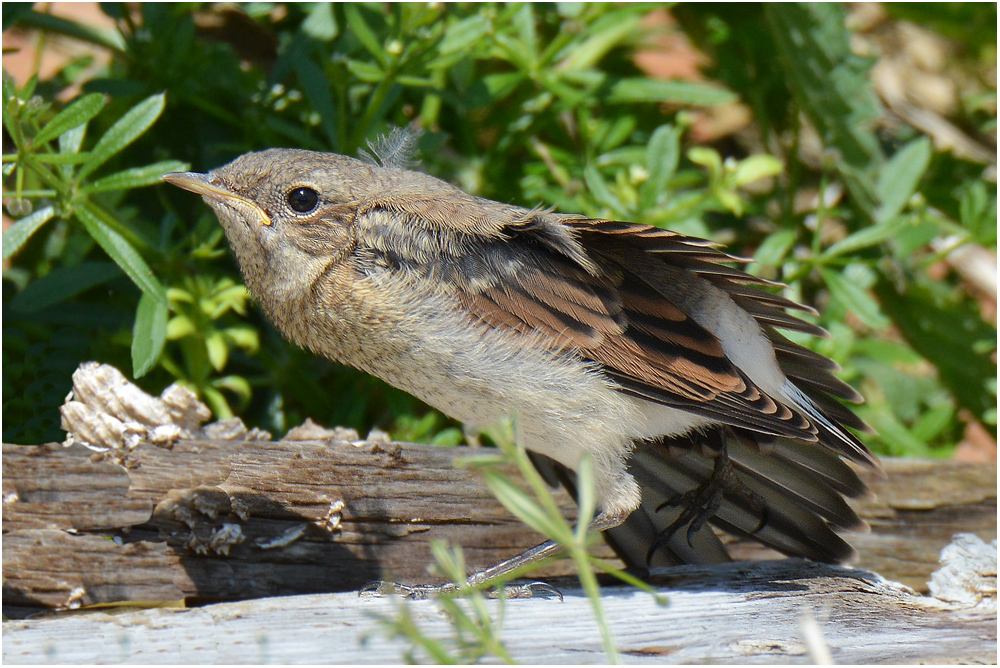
{"type": "Point", "coordinates": [528, 590]}
{"type": "Point", "coordinates": [383, 588]}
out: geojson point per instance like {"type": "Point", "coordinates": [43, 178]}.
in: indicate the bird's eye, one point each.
{"type": "Point", "coordinates": [303, 200]}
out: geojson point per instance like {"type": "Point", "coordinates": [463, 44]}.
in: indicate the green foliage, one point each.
{"type": "Point", "coordinates": [476, 629]}
{"type": "Point", "coordinates": [477, 634]}
{"type": "Point", "coordinates": [533, 104]}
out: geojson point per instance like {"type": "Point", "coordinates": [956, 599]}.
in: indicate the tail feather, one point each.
{"type": "Point", "coordinates": [787, 495]}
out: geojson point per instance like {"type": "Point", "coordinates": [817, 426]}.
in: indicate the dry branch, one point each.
{"type": "Point", "coordinates": [237, 520]}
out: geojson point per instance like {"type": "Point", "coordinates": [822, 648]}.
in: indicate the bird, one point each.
{"type": "Point", "coordinates": [651, 352]}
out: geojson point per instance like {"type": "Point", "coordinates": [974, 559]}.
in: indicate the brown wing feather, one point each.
{"type": "Point", "coordinates": [617, 318]}
{"type": "Point", "coordinates": [583, 285]}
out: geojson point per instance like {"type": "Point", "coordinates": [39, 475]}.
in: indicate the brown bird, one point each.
{"type": "Point", "coordinates": [639, 346]}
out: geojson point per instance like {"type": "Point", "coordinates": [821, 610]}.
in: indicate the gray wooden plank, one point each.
{"type": "Point", "coordinates": [736, 613]}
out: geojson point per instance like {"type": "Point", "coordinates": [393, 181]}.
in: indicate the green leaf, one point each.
{"type": "Point", "coordinates": [148, 334]}
{"type": "Point", "coordinates": [15, 236]}
{"type": "Point", "coordinates": [900, 176]}
{"type": "Point", "coordinates": [235, 384]}
{"type": "Point", "coordinates": [775, 247]}
{"type": "Point", "coordinates": [110, 39]}
{"type": "Point", "coordinates": [630, 91]}
{"type": "Point", "coordinates": [129, 127]}
{"type": "Point", "coordinates": [71, 140]}
{"type": "Point", "coordinates": [599, 189]}
{"type": "Point", "coordinates": [586, 496]}
{"type": "Point", "coordinates": [356, 24]}
{"type": "Point", "coordinates": [365, 71]}
{"type": "Point", "coordinates": [933, 422]}
{"type": "Point", "coordinates": [137, 177]}
{"type": "Point", "coordinates": [123, 253]}
{"type": "Point", "coordinates": [321, 24]}
{"type": "Point", "coordinates": [464, 33]}
{"type": "Point", "coordinates": [524, 508]}
{"type": "Point", "coordinates": [179, 327]}
{"type": "Point", "coordinates": [587, 54]}
{"type": "Point", "coordinates": [895, 434]}
{"type": "Point", "coordinates": [707, 157]}
{"type": "Point", "coordinates": [662, 157]}
{"type": "Point", "coordinates": [314, 84]}
{"type": "Point", "coordinates": [832, 86]}
{"type": "Point", "coordinates": [78, 113]}
{"type": "Point", "coordinates": [218, 351]}
{"type": "Point", "coordinates": [946, 331]}
{"type": "Point", "coordinates": [62, 283]}
{"type": "Point", "coordinates": [868, 236]}
{"type": "Point", "coordinates": [62, 158]}
{"type": "Point", "coordinates": [855, 299]}
{"type": "Point", "coordinates": [247, 338]}
{"type": "Point", "coordinates": [756, 167]}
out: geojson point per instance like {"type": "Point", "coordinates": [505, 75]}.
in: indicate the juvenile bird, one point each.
{"type": "Point", "coordinates": [639, 346]}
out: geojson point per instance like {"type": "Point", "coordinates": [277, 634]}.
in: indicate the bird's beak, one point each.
{"type": "Point", "coordinates": [213, 190]}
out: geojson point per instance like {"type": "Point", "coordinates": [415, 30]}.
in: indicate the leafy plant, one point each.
{"type": "Point", "coordinates": [476, 633]}
{"type": "Point", "coordinates": [533, 104]}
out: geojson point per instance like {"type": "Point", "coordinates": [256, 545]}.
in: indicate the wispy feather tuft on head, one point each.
{"type": "Point", "coordinates": [394, 150]}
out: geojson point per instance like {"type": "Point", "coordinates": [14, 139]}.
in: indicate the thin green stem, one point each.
{"type": "Point", "coordinates": [820, 214]}
{"type": "Point", "coordinates": [593, 592]}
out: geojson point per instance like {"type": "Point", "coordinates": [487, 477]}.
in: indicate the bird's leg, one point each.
{"type": "Point", "coordinates": [493, 573]}
{"type": "Point", "coordinates": [701, 503]}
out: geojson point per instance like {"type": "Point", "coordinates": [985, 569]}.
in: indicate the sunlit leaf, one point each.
{"type": "Point", "coordinates": [630, 91]}
{"type": "Point", "coordinates": [900, 176]}
{"type": "Point", "coordinates": [149, 334]}
{"type": "Point", "coordinates": [78, 113]}
{"type": "Point", "coordinates": [136, 121]}
{"type": "Point", "coordinates": [756, 167]}
{"type": "Point", "coordinates": [218, 351]}
{"type": "Point", "coordinates": [855, 299]}
{"type": "Point", "coordinates": [866, 237]}
{"type": "Point", "coordinates": [15, 236]}
{"type": "Point", "coordinates": [123, 253]}
{"type": "Point", "coordinates": [137, 177]}
{"type": "Point", "coordinates": [464, 33]}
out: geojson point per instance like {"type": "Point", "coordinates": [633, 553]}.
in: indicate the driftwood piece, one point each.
{"type": "Point", "coordinates": [745, 613]}
{"type": "Point", "coordinates": [236, 520]}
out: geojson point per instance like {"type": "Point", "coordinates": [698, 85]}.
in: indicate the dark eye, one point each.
{"type": "Point", "coordinates": [303, 200]}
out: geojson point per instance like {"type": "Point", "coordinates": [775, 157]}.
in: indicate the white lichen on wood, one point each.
{"type": "Point", "coordinates": [968, 574]}
{"type": "Point", "coordinates": [108, 413]}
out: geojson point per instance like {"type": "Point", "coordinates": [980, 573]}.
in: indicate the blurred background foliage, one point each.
{"type": "Point", "coordinates": [850, 150]}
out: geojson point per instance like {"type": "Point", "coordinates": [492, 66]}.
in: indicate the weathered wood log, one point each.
{"type": "Point", "coordinates": [758, 613]}
{"type": "Point", "coordinates": [237, 520]}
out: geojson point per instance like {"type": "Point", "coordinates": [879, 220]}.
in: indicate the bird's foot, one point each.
{"type": "Point", "coordinates": [700, 504]}
{"type": "Point", "coordinates": [384, 588]}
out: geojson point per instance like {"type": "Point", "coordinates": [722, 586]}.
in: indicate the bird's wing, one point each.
{"type": "Point", "coordinates": [603, 289]}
